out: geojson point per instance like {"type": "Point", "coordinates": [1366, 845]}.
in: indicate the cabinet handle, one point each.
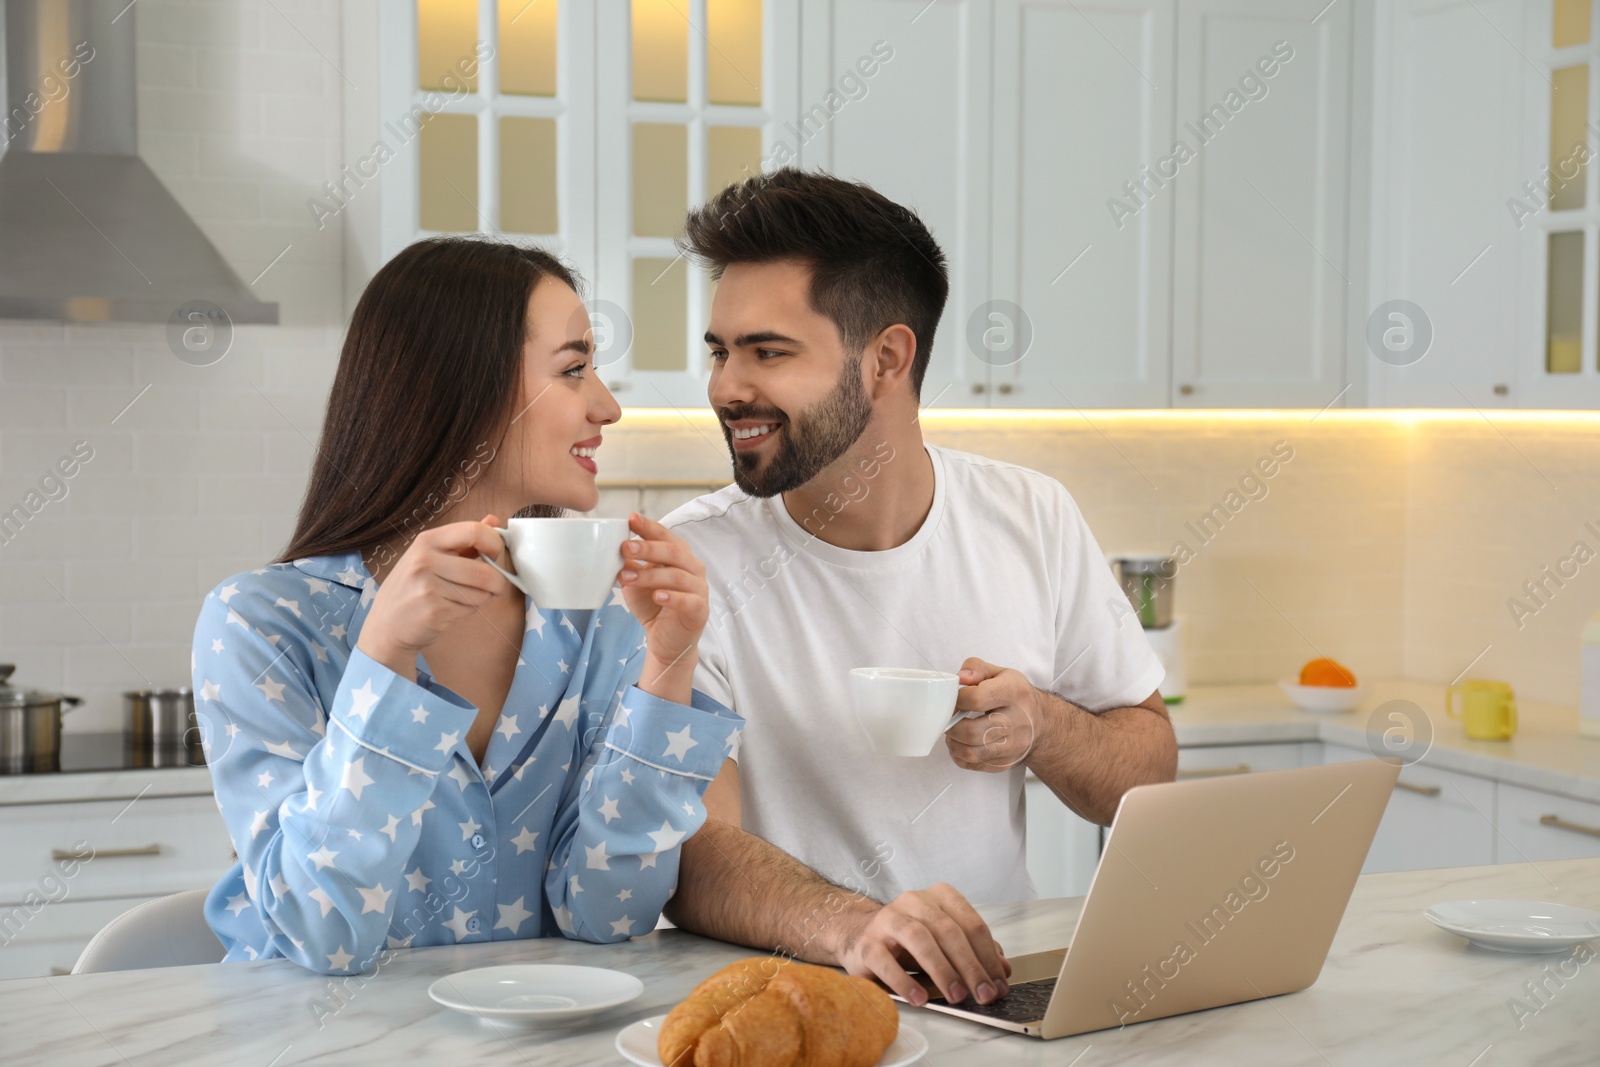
{"type": "Point", "coordinates": [106, 853]}
{"type": "Point", "coordinates": [1186, 389]}
{"type": "Point", "coordinates": [977, 387]}
{"type": "Point", "coordinates": [1561, 824]}
{"type": "Point", "coordinates": [1005, 387]}
{"type": "Point", "coordinates": [1425, 790]}
{"type": "Point", "coordinates": [1502, 390]}
{"type": "Point", "coordinates": [56, 972]}
{"type": "Point", "coordinates": [1243, 768]}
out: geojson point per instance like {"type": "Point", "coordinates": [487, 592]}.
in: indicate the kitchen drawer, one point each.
{"type": "Point", "coordinates": [1205, 761]}
{"type": "Point", "coordinates": [154, 846]}
{"type": "Point", "coordinates": [49, 940]}
{"type": "Point", "coordinates": [1434, 819]}
{"type": "Point", "coordinates": [1542, 826]}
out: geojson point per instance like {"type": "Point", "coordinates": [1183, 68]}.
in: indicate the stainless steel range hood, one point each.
{"type": "Point", "coordinates": [87, 232]}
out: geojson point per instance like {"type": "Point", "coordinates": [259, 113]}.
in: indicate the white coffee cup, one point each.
{"type": "Point", "coordinates": [568, 564]}
{"type": "Point", "coordinates": [904, 711]}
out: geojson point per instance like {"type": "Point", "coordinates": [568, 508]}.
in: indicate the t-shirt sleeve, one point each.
{"type": "Point", "coordinates": [1102, 658]}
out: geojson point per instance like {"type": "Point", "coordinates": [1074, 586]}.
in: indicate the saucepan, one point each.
{"type": "Point", "coordinates": [159, 728]}
{"type": "Point", "coordinates": [30, 727]}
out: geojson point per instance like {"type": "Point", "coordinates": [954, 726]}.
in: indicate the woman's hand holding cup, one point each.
{"type": "Point", "coordinates": [440, 578]}
{"type": "Point", "coordinates": [664, 587]}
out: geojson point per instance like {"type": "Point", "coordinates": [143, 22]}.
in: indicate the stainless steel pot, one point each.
{"type": "Point", "coordinates": [30, 727]}
{"type": "Point", "coordinates": [159, 728]}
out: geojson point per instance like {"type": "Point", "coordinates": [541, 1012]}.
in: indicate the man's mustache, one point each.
{"type": "Point", "coordinates": [728, 415]}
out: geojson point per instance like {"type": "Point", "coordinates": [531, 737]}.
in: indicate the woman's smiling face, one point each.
{"type": "Point", "coordinates": [548, 453]}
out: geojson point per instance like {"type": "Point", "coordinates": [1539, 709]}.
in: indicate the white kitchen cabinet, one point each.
{"type": "Point", "coordinates": [1535, 825]}
{"type": "Point", "coordinates": [1209, 761]}
{"type": "Point", "coordinates": [918, 130]}
{"type": "Point", "coordinates": [1261, 274]}
{"type": "Point", "coordinates": [158, 845]}
{"type": "Point", "coordinates": [1040, 140]}
{"type": "Point", "coordinates": [1063, 849]}
{"type": "Point", "coordinates": [49, 940]}
{"type": "Point", "coordinates": [1435, 818]}
{"type": "Point", "coordinates": [1448, 131]}
{"type": "Point", "coordinates": [73, 866]}
{"type": "Point", "coordinates": [1082, 112]}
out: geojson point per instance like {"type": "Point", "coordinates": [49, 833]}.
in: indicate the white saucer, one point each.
{"type": "Point", "coordinates": [535, 992]}
{"type": "Point", "coordinates": [1516, 925]}
{"type": "Point", "coordinates": [637, 1043]}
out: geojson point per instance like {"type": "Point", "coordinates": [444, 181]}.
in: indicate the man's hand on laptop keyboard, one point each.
{"type": "Point", "coordinates": [933, 930]}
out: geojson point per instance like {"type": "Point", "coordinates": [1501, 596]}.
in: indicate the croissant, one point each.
{"type": "Point", "coordinates": [771, 1012]}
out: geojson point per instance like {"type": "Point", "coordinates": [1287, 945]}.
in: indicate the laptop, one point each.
{"type": "Point", "coordinates": [1209, 892]}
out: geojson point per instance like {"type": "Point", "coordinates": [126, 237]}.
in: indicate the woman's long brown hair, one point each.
{"type": "Point", "coordinates": [430, 369]}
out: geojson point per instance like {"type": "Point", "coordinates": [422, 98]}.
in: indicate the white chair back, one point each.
{"type": "Point", "coordinates": [166, 932]}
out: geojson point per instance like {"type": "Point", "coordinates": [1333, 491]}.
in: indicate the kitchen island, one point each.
{"type": "Point", "coordinates": [1395, 990]}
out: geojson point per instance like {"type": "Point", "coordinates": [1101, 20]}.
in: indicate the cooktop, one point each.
{"type": "Point", "coordinates": [107, 751]}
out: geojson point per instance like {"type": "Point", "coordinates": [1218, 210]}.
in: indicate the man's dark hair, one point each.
{"type": "Point", "coordinates": [873, 263]}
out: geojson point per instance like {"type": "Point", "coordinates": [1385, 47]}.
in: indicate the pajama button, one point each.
{"type": "Point", "coordinates": [472, 924]}
{"type": "Point", "coordinates": [477, 840]}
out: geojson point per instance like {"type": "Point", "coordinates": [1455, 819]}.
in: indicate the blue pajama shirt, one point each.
{"type": "Point", "coordinates": [363, 822]}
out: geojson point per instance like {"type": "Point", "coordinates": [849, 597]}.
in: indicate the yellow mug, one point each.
{"type": "Point", "coordinates": [1488, 708]}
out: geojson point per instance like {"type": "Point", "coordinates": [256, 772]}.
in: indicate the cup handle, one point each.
{"type": "Point", "coordinates": [512, 578]}
{"type": "Point", "coordinates": [960, 715]}
{"type": "Point", "coordinates": [1449, 703]}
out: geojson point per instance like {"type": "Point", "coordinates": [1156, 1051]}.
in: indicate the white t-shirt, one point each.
{"type": "Point", "coordinates": [1004, 568]}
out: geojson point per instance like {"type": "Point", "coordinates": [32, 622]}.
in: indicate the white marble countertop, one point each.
{"type": "Point", "coordinates": [1395, 990]}
{"type": "Point", "coordinates": [1547, 752]}
{"type": "Point", "coordinates": [81, 786]}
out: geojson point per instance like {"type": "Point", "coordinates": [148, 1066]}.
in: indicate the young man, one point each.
{"type": "Point", "coordinates": [847, 542]}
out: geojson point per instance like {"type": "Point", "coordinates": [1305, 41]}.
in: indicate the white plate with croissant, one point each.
{"type": "Point", "coordinates": [765, 1011]}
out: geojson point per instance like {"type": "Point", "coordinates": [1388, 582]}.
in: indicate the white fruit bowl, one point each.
{"type": "Point", "coordinates": [1322, 699]}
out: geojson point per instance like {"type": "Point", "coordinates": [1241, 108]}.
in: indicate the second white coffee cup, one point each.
{"type": "Point", "coordinates": [567, 564]}
{"type": "Point", "coordinates": [904, 711]}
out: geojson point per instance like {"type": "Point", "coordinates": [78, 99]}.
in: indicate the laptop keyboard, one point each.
{"type": "Point", "coordinates": [1026, 1003]}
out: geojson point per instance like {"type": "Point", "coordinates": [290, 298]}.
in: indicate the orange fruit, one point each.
{"type": "Point", "coordinates": [1327, 672]}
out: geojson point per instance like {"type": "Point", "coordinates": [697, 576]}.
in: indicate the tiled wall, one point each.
{"type": "Point", "coordinates": [1490, 508]}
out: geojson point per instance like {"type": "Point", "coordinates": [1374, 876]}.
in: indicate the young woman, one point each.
{"type": "Point", "coordinates": [405, 751]}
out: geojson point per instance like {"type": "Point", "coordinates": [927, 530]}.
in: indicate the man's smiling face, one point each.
{"type": "Point", "coordinates": [787, 391]}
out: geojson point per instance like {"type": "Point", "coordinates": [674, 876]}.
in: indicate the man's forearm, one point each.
{"type": "Point", "coordinates": [736, 887]}
{"type": "Point", "coordinates": [1089, 760]}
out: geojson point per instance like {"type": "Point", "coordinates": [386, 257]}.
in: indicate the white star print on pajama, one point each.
{"type": "Point", "coordinates": [361, 819]}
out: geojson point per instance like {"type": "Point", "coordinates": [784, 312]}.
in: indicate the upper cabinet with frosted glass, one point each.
{"type": "Point", "coordinates": [1144, 203]}
{"type": "Point", "coordinates": [587, 127]}
{"type": "Point", "coordinates": [1484, 206]}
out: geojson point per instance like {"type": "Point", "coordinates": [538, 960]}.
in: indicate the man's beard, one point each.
{"type": "Point", "coordinates": [809, 443]}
